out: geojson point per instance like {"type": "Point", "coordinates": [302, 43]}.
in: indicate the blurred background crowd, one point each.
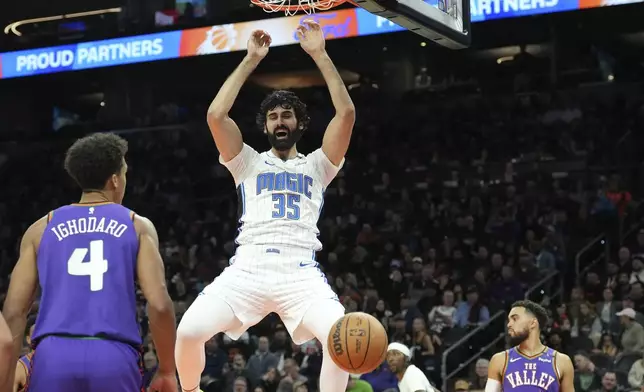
{"type": "Point", "coordinates": [468, 185]}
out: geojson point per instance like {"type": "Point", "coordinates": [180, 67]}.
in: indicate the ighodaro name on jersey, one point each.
{"type": "Point", "coordinates": [285, 181]}
{"type": "Point", "coordinates": [89, 225]}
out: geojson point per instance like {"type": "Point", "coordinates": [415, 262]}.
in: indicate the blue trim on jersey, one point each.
{"type": "Point", "coordinates": [26, 361]}
{"type": "Point", "coordinates": [243, 192]}
{"type": "Point", "coordinates": [321, 204]}
{"type": "Point", "coordinates": [242, 200]}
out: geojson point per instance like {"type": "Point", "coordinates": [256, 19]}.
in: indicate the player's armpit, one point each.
{"type": "Point", "coordinates": [151, 277]}
{"type": "Point", "coordinates": [242, 165]}
{"type": "Point", "coordinates": [497, 367]}
{"type": "Point", "coordinates": [566, 372]}
{"type": "Point", "coordinates": [323, 167]}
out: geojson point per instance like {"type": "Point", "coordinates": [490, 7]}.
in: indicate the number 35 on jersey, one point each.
{"type": "Point", "coordinates": [286, 204]}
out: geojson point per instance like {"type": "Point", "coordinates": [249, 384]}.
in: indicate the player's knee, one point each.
{"type": "Point", "coordinates": [191, 330]}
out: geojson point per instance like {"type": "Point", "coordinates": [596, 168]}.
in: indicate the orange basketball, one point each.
{"type": "Point", "coordinates": [358, 343]}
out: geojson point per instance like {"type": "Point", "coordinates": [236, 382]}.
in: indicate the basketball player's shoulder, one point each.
{"type": "Point", "coordinates": [321, 166]}
{"type": "Point", "coordinates": [34, 232]}
{"type": "Point", "coordinates": [562, 361]}
{"type": "Point", "coordinates": [317, 157]}
{"type": "Point", "coordinates": [143, 225]}
{"type": "Point", "coordinates": [498, 364]}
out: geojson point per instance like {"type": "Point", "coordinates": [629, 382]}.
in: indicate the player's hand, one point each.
{"type": "Point", "coordinates": [164, 382]}
{"type": "Point", "coordinates": [258, 44]}
{"type": "Point", "coordinates": [311, 37]}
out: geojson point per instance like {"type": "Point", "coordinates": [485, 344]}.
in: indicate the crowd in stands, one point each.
{"type": "Point", "coordinates": [443, 214]}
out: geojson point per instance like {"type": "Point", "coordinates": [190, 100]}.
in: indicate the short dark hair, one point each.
{"type": "Point", "coordinates": [91, 160]}
{"type": "Point", "coordinates": [535, 309]}
{"type": "Point", "coordinates": [287, 100]}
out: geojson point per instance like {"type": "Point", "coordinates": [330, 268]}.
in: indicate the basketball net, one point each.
{"type": "Point", "coordinates": [292, 7]}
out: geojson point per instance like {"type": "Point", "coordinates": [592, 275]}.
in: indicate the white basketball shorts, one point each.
{"type": "Point", "coordinates": [265, 279]}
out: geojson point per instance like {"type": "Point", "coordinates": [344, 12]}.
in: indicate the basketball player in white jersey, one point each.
{"type": "Point", "coordinates": [281, 197]}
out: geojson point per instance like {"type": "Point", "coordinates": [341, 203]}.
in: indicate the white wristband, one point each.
{"type": "Point", "coordinates": [492, 385]}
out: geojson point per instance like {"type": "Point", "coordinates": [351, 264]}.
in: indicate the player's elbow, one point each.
{"type": "Point", "coordinates": [347, 112]}
{"type": "Point", "coordinates": [13, 314]}
{"type": "Point", "coordinates": [6, 344]}
{"type": "Point", "coordinates": [160, 303]}
{"type": "Point", "coordinates": [216, 115]}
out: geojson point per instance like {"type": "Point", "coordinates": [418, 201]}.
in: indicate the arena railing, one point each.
{"type": "Point", "coordinates": [446, 377]}
{"type": "Point", "coordinates": [597, 249]}
{"type": "Point", "coordinates": [547, 287]}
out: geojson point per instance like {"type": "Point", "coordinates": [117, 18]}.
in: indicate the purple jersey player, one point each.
{"type": "Point", "coordinates": [529, 366]}
{"type": "Point", "coordinates": [87, 257]}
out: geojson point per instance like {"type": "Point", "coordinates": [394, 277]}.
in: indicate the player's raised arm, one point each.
{"type": "Point", "coordinates": [151, 276]}
{"type": "Point", "coordinates": [227, 136]}
{"type": "Point", "coordinates": [495, 372]}
{"type": "Point", "coordinates": [338, 134]}
{"type": "Point", "coordinates": [21, 294]}
{"type": "Point", "coordinates": [566, 372]}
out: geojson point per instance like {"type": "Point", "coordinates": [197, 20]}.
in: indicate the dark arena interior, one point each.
{"type": "Point", "coordinates": [475, 178]}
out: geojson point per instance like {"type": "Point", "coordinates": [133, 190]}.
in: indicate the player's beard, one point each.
{"type": "Point", "coordinates": [286, 143]}
{"type": "Point", "coordinates": [519, 337]}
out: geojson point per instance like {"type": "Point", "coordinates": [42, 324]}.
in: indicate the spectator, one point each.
{"type": "Point", "coordinates": [357, 385]}
{"type": "Point", "coordinates": [636, 374]}
{"type": "Point", "coordinates": [461, 386]}
{"type": "Point", "coordinates": [261, 361]}
{"type": "Point", "coordinates": [381, 379]}
{"type": "Point", "coordinates": [236, 373]}
{"type": "Point", "coordinates": [609, 382]}
{"type": "Point", "coordinates": [607, 346]}
{"type": "Point", "coordinates": [633, 335]}
{"type": "Point", "coordinates": [270, 380]}
{"type": "Point", "coordinates": [422, 344]}
{"type": "Point", "coordinates": [479, 378]}
{"type": "Point", "coordinates": [472, 313]}
{"type": "Point", "coordinates": [443, 316]}
{"type": "Point", "coordinates": [240, 384]}
{"type": "Point", "coordinates": [637, 274]}
{"type": "Point", "coordinates": [216, 358]}
{"type": "Point", "coordinates": [593, 287]}
{"type": "Point", "coordinates": [508, 290]}
{"type": "Point", "coordinates": [150, 367]}
{"type": "Point", "coordinates": [624, 260]}
{"type": "Point", "coordinates": [587, 324]}
{"type": "Point", "coordinates": [291, 376]}
{"type": "Point", "coordinates": [587, 377]}
{"type": "Point", "coordinates": [636, 294]}
{"type": "Point", "coordinates": [300, 386]}
{"type": "Point", "coordinates": [607, 311]}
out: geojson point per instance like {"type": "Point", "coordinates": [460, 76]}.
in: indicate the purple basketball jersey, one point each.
{"type": "Point", "coordinates": [530, 374]}
{"type": "Point", "coordinates": [87, 272]}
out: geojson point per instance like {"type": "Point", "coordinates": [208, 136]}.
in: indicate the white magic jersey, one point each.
{"type": "Point", "coordinates": [280, 201]}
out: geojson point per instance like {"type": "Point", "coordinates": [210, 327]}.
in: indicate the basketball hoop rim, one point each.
{"type": "Point", "coordinates": [320, 5]}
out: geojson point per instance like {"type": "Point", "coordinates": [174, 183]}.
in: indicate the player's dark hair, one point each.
{"type": "Point", "coordinates": [286, 100]}
{"type": "Point", "coordinates": [535, 309]}
{"type": "Point", "coordinates": [91, 161]}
